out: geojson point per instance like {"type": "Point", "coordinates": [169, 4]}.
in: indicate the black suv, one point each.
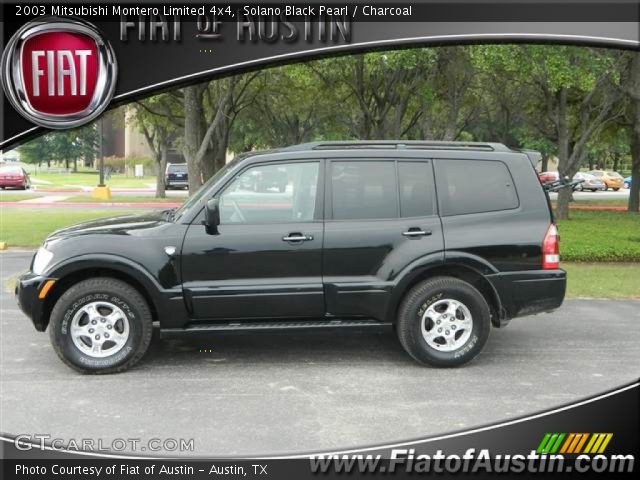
{"type": "Point", "coordinates": [438, 240]}
{"type": "Point", "coordinates": [176, 175]}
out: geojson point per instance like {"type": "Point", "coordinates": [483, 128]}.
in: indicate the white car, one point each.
{"type": "Point", "coordinates": [589, 182]}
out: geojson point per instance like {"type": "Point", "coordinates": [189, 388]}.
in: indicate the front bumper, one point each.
{"type": "Point", "coordinates": [529, 292]}
{"type": "Point", "coordinates": [27, 289]}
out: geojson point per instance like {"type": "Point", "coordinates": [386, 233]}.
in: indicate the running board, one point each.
{"type": "Point", "coordinates": [272, 326]}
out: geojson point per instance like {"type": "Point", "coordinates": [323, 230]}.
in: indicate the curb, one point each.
{"type": "Point", "coordinates": [598, 207]}
{"type": "Point", "coordinates": [91, 204]}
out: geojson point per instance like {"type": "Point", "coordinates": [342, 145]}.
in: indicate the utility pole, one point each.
{"type": "Point", "coordinates": [101, 192]}
{"type": "Point", "coordinates": [101, 162]}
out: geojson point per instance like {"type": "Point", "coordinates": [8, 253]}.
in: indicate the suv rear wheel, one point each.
{"type": "Point", "coordinates": [101, 325]}
{"type": "Point", "coordinates": [443, 322]}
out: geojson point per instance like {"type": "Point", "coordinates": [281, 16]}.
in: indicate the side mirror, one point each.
{"type": "Point", "coordinates": [212, 216]}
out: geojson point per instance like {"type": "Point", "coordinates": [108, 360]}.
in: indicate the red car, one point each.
{"type": "Point", "coordinates": [548, 177]}
{"type": "Point", "coordinates": [14, 177]}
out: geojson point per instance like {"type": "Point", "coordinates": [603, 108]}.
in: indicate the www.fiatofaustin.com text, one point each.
{"type": "Point", "coordinates": [472, 461]}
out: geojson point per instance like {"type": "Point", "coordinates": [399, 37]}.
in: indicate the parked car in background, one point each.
{"type": "Point", "coordinates": [611, 179]}
{"type": "Point", "coordinates": [548, 177]}
{"type": "Point", "coordinates": [13, 176]}
{"type": "Point", "coordinates": [176, 175]}
{"type": "Point", "coordinates": [627, 182]}
{"type": "Point", "coordinates": [589, 182]}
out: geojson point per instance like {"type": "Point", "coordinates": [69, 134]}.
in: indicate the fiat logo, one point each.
{"type": "Point", "coordinates": [59, 73]}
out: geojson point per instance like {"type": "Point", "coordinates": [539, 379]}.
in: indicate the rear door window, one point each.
{"type": "Point", "coordinates": [474, 186]}
{"type": "Point", "coordinates": [417, 194]}
{"type": "Point", "coordinates": [177, 169]}
{"type": "Point", "coordinates": [363, 190]}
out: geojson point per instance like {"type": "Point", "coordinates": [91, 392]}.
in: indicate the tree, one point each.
{"type": "Point", "coordinates": [292, 108]}
{"type": "Point", "coordinates": [377, 91]}
{"type": "Point", "coordinates": [209, 112]}
{"type": "Point", "coordinates": [37, 151]}
{"type": "Point", "coordinates": [570, 98]}
{"type": "Point", "coordinates": [159, 123]}
{"type": "Point", "coordinates": [631, 89]}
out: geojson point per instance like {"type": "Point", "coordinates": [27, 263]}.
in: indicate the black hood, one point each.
{"type": "Point", "coordinates": [119, 225]}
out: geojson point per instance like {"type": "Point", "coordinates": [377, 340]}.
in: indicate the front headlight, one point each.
{"type": "Point", "coordinates": [41, 260]}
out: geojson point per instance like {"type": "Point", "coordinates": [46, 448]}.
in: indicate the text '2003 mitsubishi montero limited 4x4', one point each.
{"type": "Point", "coordinates": [440, 241]}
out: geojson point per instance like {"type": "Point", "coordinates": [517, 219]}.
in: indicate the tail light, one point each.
{"type": "Point", "coordinates": [551, 249]}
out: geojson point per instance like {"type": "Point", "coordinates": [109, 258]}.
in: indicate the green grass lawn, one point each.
{"type": "Point", "coordinates": [15, 197]}
{"type": "Point", "coordinates": [28, 227]}
{"type": "Point", "coordinates": [125, 199]}
{"type": "Point", "coordinates": [603, 280]}
{"type": "Point", "coordinates": [602, 236]}
{"type": "Point", "coordinates": [60, 180]}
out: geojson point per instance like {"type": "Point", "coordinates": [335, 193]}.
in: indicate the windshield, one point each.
{"type": "Point", "coordinates": [10, 170]}
{"type": "Point", "coordinates": [614, 174]}
{"type": "Point", "coordinates": [199, 194]}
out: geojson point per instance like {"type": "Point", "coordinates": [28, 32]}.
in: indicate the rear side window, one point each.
{"type": "Point", "coordinates": [474, 186]}
{"type": "Point", "coordinates": [177, 168]}
{"type": "Point", "coordinates": [363, 190]}
{"type": "Point", "coordinates": [416, 189]}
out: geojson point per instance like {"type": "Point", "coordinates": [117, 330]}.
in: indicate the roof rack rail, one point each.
{"type": "Point", "coordinates": [399, 144]}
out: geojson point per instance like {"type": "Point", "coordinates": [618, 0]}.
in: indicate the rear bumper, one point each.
{"type": "Point", "coordinates": [176, 181]}
{"type": "Point", "coordinates": [12, 183]}
{"type": "Point", "coordinates": [27, 288]}
{"type": "Point", "coordinates": [529, 292]}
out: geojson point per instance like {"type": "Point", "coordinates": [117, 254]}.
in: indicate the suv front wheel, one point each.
{"type": "Point", "coordinates": [443, 322]}
{"type": "Point", "coordinates": [101, 325]}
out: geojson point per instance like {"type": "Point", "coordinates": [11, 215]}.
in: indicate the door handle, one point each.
{"type": "Point", "coordinates": [416, 232]}
{"type": "Point", "coordinates": [297, 237]}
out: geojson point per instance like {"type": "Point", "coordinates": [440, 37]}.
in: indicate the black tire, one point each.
{"type": "Point", "coordinates": [616, 189]}
{"type": "Point", "coordinates": [102, 289]}
{"type": "Point", "coordinates": [428, 293]}
{"type": "Point", "coordinates": [605, 188]}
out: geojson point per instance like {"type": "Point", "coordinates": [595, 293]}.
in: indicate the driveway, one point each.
{"type": "Point", "coordinates": [269, 394]}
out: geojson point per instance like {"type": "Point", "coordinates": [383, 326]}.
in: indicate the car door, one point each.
{"type": "Point", "coordinates": [381, 220]}
{"type": "Point", "coordinates": [266, 261]}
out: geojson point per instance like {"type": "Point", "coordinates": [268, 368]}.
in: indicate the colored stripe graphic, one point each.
{"type": "Point", "coordinates": [550, 443]}
{"type": "Point", "coordinates": [574, 443]}
{"type": "Point", "coordinates": [582, 442]}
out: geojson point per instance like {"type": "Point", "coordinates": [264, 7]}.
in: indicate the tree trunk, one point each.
{"type": "Point", "coordinates": [193, 133]}
{"type": "Point", "coordinates": [564, 195]}
{"type": "Point", "coordinates": [161, 162]}
{"type": "Point", "coordinates": [545, 163]}
{"type": "Point", "coordinates": [634, 193]}
{"type": "Point", "coordinates": [562, 205]}
{"type": "Point", "coordinates": [616, 161]}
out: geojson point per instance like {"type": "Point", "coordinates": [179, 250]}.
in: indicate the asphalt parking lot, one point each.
{"type": "Point", "coordinates": [273, 394]}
